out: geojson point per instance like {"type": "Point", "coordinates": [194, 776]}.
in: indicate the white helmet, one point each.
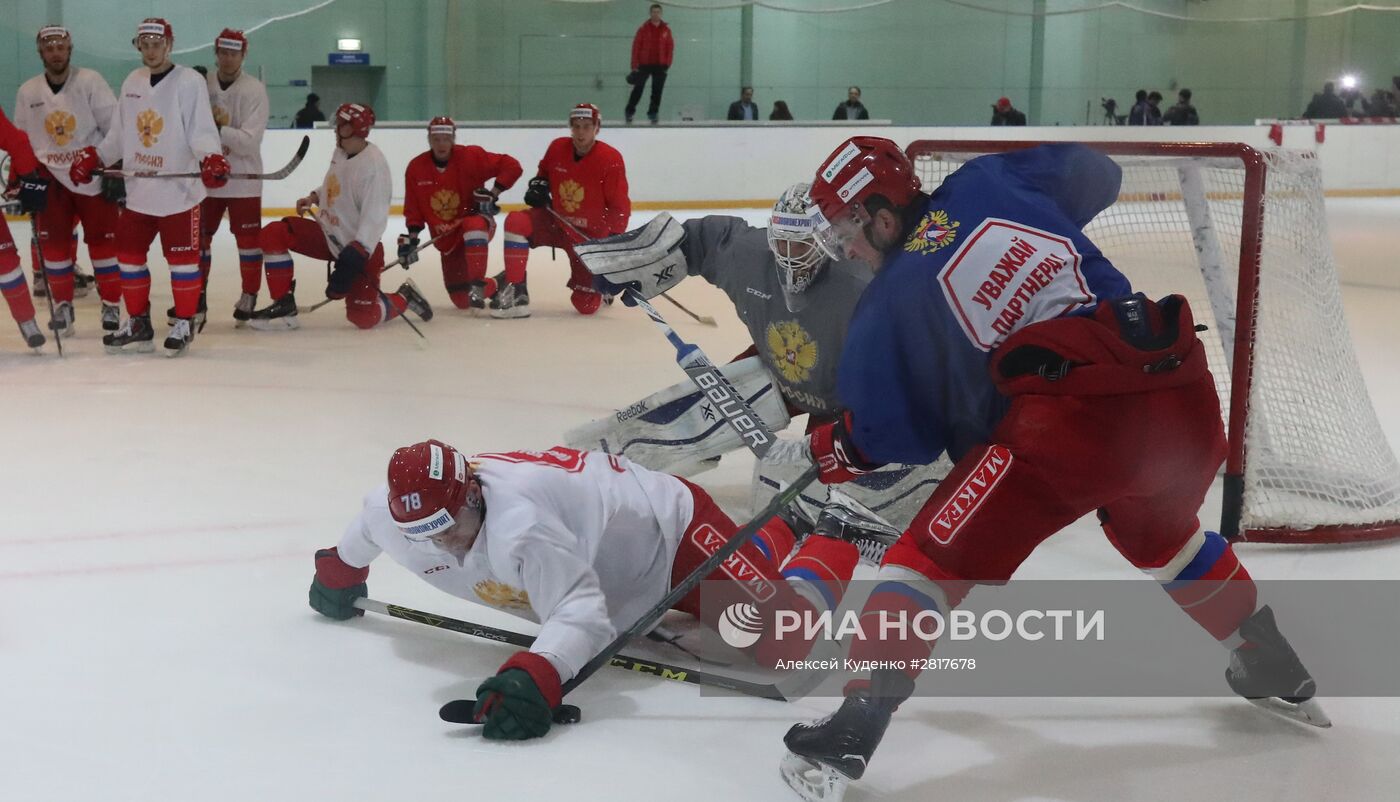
{"type": "Point", "coordinates": [791, 239]}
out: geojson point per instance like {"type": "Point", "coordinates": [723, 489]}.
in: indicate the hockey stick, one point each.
{"type": "Point", "coordinates": [275, 175]}
{"type": "Point", "coordinates": [637, 664]}
{"type": "Point", "coordinates": [39, 265]}
{"type": "Point", "coordinates": [731, 405]}
{"type": "Point", "coordinates": [304, 310]}
{"type": "Point", "coordinates": [702, 319]}
{"type": "Point", "coordinates": [459, 711]}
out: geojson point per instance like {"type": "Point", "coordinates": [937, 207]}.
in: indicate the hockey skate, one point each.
{"type": "Point", "coordinates": [111, 316]}
{"type": "Point", "coordinates": [843, 520]}
{"type": "Point", "coordinates": [477, 293]}
{"type": "Point", "coordinates": [825, 755]}
{"type": "Point", "coordinates": [61, 323]}
{"type": "Point", "coordinates": [33, 338]}
{"type": "Point", "coordinates": [177, 342]}
{"type": "Point", "coordinates": [200, 315]}
{"type": "Point", "coordinates": [280, 315]}
{"type": "Point", "coordinates": [135, 335]}
{"type": "Point", "coordinates": [416, 302]}
{"type": "Point", "coordinates": [243, 310]}
{"type": "Point", "coordinates": [1267, 672]}
{"type": "Point", "coordinates": [82, 283]}
{"type": "Point", "coordinates": [511, 301]}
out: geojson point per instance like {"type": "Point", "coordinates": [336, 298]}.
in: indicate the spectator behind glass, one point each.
{"type": "Point", "coordinates": [1382, 104]}
{"type": "Point", "coordinates": [852, 109]}
{"type": "Point", "coordinates": [652, 50]}
{"type": "Point", "coordinates": [744, 108]}
{"type": "Point", "coordinates": [1326, 105]}
{"type": "Point", "coordinates": [1154, 108]}
{"type": "Point", "coordinates": [310, 114]}
{"type": "Point", "coordinates": [1003, 113]}
{"type": "Point", "coordinates": [780, 111]}
{"type": "Point", "coordinates": [1138, 114]}
{"type": "Point", "coordinates": [1183, 113]}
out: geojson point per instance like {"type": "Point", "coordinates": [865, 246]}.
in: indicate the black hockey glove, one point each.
{"type": "Point", "coordinates": [485, 201]}
{"type": "Point", "coordinates": [33, 192]}
{"type": "Point", "coordinates": [408, 246]}
{"type": "Point", "coordinates": [114, 187]}
{"type": "Point", "coordinates": [349, 266]}
{"type": "Point", "coordinates": [537, 192]}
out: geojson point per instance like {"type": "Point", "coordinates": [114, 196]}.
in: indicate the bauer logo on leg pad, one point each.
{"type": "Point", "coordinates": [970, 495]}
{"type": "Point", "coordinates": [737, 567]}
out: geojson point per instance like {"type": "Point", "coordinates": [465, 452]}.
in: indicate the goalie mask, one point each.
{"type": "Point", "coordinates": [790, 238]}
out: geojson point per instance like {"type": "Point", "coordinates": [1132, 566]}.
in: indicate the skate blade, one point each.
{"type": "Point", "coordinates": [137, 348]}
{"type": "Point", "coordinates": [287, 323]}
{"type": "Point", "coordinates": [813, 781]}
{"type": "Point", "coordinates": [509, 314]}
{"type": "Point", "coordinates": [174, 352]}
{"type": "Point", "coordinates": [1308, 712]}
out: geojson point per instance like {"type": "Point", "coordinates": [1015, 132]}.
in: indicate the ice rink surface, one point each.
{"type": "Point", "coordinates": [156, 545]}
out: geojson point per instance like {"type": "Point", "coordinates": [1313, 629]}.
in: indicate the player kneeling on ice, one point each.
{"type": "Point", "coordinates": [1056, 391]}
{"type": "Point", "coordinates": [582, 542]}
{"type": "Point", "coordinates": [350, 212]}
{"type": "Point", "coordinates": [445, 190]}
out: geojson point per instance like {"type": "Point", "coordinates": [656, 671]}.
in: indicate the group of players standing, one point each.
{"type": "Point", "coordinates": [179, 151]}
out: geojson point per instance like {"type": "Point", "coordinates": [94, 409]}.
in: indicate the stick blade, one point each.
{"type": "Point", "coordinates": [458, 711]}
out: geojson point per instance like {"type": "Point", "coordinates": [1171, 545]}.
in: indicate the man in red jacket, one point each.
{"type": "Point", "coordinates": [582, 181]}
{"type": "Point", "coordinates": [652, 48]}
{"type": "Point", "coordinates": [445, 188]}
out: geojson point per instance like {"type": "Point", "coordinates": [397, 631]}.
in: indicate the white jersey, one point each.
{"type": "Point", "coordinates": [581, 542]}
{"type": "Point", "coordinates": [167, 128]}
{"type": "Point", "coordinates": [354, 195]}
{"type": "Point", "coordinates": [62, 123]}
{"type": "Point", "coordinates": [241, 112]}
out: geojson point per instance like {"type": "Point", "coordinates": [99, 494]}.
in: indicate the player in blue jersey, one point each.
{"type": "Point", "coordinates": [996, 331]}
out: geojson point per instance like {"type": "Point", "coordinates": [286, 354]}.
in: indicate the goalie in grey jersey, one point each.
{"type": "Point", "coordinates": [796, 305]}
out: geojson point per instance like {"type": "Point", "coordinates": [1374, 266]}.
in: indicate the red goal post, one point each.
{"type": "Point", "coordinates": [1242, 233]}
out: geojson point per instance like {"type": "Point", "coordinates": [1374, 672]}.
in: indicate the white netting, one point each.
{"type": "Point", "coordinates": [1315, 454]}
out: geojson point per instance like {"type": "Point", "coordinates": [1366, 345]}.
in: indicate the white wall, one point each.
{"type": "Point", "coordinates": [738, 166]}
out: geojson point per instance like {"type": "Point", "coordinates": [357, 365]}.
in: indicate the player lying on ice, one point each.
{"type": "Point", "coordinates": [795, 303]}
{"type": "Point", "coordinates": [995, 330]}
{"type": "Point", "coordinates": [581, 542]}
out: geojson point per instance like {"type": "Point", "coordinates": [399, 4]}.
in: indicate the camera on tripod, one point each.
{"type": "Point", "coordinates": [1110, 112]}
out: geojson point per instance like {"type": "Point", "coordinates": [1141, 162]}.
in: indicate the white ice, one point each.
{"type": "Point", "coordinates": [156, 546]}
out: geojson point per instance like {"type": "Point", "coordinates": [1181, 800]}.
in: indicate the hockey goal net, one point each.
{"type": "Point", "coordinates": [1243, 234]}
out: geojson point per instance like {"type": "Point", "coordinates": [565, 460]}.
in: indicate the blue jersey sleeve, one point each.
{"type": "Point", "coordinates": [1080, 181]}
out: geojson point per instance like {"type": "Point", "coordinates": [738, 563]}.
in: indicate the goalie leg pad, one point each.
{"type": "Point", "coordinates": [677, 429]}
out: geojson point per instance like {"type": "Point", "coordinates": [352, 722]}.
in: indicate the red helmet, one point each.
{"type": "Point", "coordinates": [586, 111]}
{"type": "Point", "coordinates": [230, 39]}
{"type": "Point", "coordinates": [427, 488]}
{"type": "Point", "coordinates": [862, 167]}
{"type": "Point", "coordinates": [359, 116]}
{"type": "Point", "coordinates": [441, 125]}
{"type": "Point", "coordinates": [53, 32]}
{"type": "Point", "coordinates": [154, 26]}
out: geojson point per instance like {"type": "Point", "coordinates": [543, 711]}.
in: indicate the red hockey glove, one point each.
{"type": "Point", "coordinates": [214, 170]}
{"type": "Point", "coordinates": [336, 586]}
{"type": "Point", "coordinates": [519, 702]}
{"type": "Point", "coordinates": [83, 166]}
{"type": "Point", "coordinates": [838, 460]}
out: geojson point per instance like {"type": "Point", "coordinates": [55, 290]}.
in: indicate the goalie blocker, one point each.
{"type": "Point", "coordinates": [678, 430]}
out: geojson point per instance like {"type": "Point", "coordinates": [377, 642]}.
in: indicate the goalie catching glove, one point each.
{"type": "Point", "coordinates": [646, 260]}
